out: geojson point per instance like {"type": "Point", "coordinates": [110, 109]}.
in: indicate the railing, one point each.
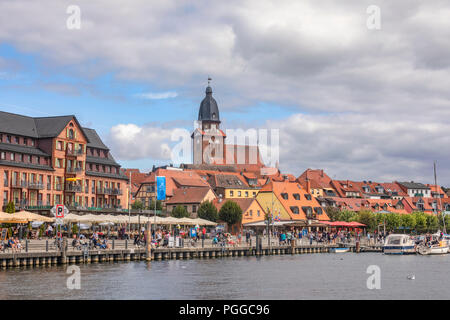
{"type": "Point", "coordinates": [101, 191]}
{"type": "Point", "coordinates": [74, 152]}
{"type": "Point", "coordinates": [18, 184]}
{"type": "Point", "coordinates": [35, 185]}
{"type": "Point", "coordinates": [72, 188]}
{"type": "Point", "coordinates": [116, 192]}
{"type": "Point", "coordinates": [73, 170]}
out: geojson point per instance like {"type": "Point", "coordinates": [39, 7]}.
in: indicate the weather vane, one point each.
{"type": "Point", "coordinates": [209, 80]}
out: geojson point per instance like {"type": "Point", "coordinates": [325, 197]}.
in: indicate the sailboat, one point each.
{"type": "Point", "coordinates": [438, 243]}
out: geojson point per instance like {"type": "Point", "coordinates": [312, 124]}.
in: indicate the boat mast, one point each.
{"type": "Point", "coordinates": [440, 199]}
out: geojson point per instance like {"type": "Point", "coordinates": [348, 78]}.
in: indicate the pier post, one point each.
{"type": "Point", "coordinates": [293, 246]}
{"type": "Point", "coordinates": [148, 248]}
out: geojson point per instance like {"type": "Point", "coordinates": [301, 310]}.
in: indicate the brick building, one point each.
{"type": "Point", "coordinates": [54, 160]}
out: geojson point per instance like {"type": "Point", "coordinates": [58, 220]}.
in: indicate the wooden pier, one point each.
{"type": "Point", "coordinates": [123, 251]}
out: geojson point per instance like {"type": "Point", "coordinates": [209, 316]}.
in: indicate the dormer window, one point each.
{"type": "Point", "coordinates": [296, 196]}
{"type": "Point", "coordinates": [308, 196]}
{"type": "Point", "coordinates": [294, 209]}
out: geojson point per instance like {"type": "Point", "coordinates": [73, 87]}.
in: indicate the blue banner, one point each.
{"type": "Point", "coordinates": [161, 188]}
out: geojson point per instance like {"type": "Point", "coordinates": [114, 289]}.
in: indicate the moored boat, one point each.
{"type": "Point", "coordinates": [399, 244]}
{"type": "Point", "coordinates": [339, 250]}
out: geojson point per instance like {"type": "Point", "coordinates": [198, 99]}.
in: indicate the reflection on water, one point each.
{"type": "Point", "coordinates": [309, 276]}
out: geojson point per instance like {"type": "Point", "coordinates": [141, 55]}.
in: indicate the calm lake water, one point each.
{"type": "Point", "coordinates": [307, 276]}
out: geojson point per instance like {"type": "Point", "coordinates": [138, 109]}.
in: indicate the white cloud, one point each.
{"type": "Point", "coordinates": [131, 142]}
{"type": "Point", "coordinates": [157, 95]}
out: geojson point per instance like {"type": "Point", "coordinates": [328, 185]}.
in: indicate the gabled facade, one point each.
{"type": "Point", "coordinates": [46, 161]}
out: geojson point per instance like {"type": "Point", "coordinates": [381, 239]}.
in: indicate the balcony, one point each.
{"type": "Point", "coordinates": [100, 191]}
{"type": "Point", "coordinates": [73, 170]}
{"type": "Point", "coordinates": [18, 184]}
{"type": "Point", "coordinates": [35, 185]}
{"type": "Point", "coordinates": [74, 153]}
{"type": "Point", "coordinates": [72, 188]}
{"type": "Point", "coordinates": [116, 192]}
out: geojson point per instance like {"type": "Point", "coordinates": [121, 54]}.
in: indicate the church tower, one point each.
{"type": "Point", "coordinates": [207, 138]}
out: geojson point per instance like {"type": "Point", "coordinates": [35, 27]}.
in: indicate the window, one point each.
{"type": "Point", "coordinates": [194, 208]}
{"type": "Point", "coordinates": [29, 159]}
{"type": "Point", "coordinates": [12, 156]}
{"type": "Point", "coordinates": [3, 155]}
{"type": "Point", "coordinates": [32, 143]}
{"type": "Point", "coordinates": [16, 139]}
{"type": "Point", "coordinates": [25, 141]}
{"type": "Point", "coordinates": [294, 209]}
{"type": "Point", "coordinates": [239, 193]}
{"type": "Point", "coordinates": [246, 194]}
{"type": "Point", "coordinates": [59, 145]}
{"type": "Point", "coordinates": [285, 196]}
{"type": "Point", "coordinates": [258, 213]}
{"type": "Point", "coordinates": [231, 193]}
{"type": "Point", "coordinates": [71, 134]}
{"type": "Point", "coordinates": [318, 210]}
{"type": "Point", "coordinates": [8, 139]}
{"type": "Point", "coordinates": [296, 196]}
{"type": "Point", "coordinates": [308, 196]}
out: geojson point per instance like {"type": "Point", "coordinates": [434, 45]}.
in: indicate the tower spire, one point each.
{"type": "Point", "coordinates": [209, 80]}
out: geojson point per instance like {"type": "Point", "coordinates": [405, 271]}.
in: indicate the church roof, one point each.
{"type": "Point", "coordinates": [209, 111]}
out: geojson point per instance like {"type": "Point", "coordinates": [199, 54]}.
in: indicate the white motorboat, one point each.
{"type": "Point", "coordinates": [399, 244]}
{"type": "Point", "coordinates": [339, 250]}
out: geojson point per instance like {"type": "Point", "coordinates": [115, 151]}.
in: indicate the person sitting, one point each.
{"type": "Point", "coordinates": [18, 244]}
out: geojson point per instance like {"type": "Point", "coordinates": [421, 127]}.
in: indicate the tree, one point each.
{"type": "Point", "coordinates": [408, 221]}
{"type": "Point", "coordinates": [208, 211]}
{"type": "Point", "coordinates": [393, 221]}
{"type": "Point", "coordinates": [368, 218]}
{"type": "Point", "coordinates": [137, 205]}
{"type": "Point", "coordinates": [10, 207]}
{"type": "Point", "coordinates": [152, 205]}
{"type": "Point", "coordinates": [230, 213]}
{"type": "Point", "coordinates": [347, 215]}
{"type": "Point", "coordinates": [180, 212]}
{"type": "Point", "coordinates": [333, 213]}
{"type": "Point", "coordinates": [432, 223]}
{"type": "Point", "coordinates": [421, 221]}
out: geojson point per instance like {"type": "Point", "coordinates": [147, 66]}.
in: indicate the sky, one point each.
{"type": "Point", "coordinates": [360, 102]}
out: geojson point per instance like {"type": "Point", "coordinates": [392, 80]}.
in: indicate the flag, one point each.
{"type": "Point", "coordinates": [161, 188]}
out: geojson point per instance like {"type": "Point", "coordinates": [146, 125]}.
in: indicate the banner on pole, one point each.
{"type": "Point", "coordinates": [161, 188]}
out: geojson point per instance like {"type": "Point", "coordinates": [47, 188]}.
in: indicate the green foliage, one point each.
{"type": "Point", "coordinates": [368, 218]}
{"type": "Point", "coordinates": [137, 205]}
{"type": "Point", "coordinates": [208, 211]}
{"type": "Point", "coordinates": [10, 207]}
{"type": "Point", "coordinates": [41, 230]}
{"type": "Point", "coordinates": [75, 228]}
{"type": "Point", "coordinates": [432, 223]}
{"type": "Point", "coordinates": [421, 221]}
{"type": "Point", "coordinates": [230, 213]}
{"type": "Point", "coordinates": [152, 205]}
{"type": "Point", "coordinates": [333, 213]}
{"type": "Point", "coordinates": [408, 221]}
{"type": "Point", "coordinates": [393, 221]}
{"type": "Point", "coordinates": [180, 212]}
{"type": "Point", "coordinates": [347, 216]}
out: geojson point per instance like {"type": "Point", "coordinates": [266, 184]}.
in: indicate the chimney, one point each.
{"type": "Point", "coordinates": [321, 173]}
{"type": "Point", "coordinates": [308, 186]}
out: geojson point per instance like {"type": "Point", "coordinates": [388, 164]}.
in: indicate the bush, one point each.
{"type": "Point", "coordinates": [207, 210]}
{"type": "Point", "coordinates": [10, 207]}
{"type": "Point", "coordinates": [180, 212]}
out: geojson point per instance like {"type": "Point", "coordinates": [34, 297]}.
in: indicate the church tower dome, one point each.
{"type": "Point", "coordinates": [209, 111]}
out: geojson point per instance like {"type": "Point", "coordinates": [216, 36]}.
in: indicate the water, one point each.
{"type": "Point", "coordinates": [307, 276]}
